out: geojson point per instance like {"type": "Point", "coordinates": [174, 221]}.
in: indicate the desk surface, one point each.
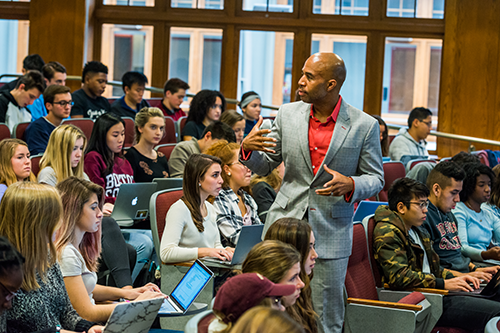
{"type": "Point", "coordinates": [195, 308]}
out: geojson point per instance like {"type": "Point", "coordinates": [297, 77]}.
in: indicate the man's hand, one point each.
{"type": "Point", "coordinates": [481, 275]}
{"type": "Point", "coordinates": [493, 253]}
{"type": "Point", "coordinates": [492, 270]}
{"type": "Point", "coordinates": [461, 283]}
{"type": "Point", "coordinates": [339, 185]}
{"type": "Point", "coordinates": [256, 140]}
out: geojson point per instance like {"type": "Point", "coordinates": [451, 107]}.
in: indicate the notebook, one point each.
{"type": "Point", "coordinates": [190, 286]}
{"type": "Point", "coordinates": [250, 235]}
{"type": "Point", "coordinates": [132, 203]}
{"type": "Point", "coordinates": [133, 317]}
{"type": "Point", "coordinates": [167, 183]}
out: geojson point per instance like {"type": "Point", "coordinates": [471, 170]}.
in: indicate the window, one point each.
{"type": "Point", "coordinates": [126, 48]}
{"type": "Point", "coordinates": [200, 4]}
{"type": "Point", "coordinates": [353, 50]}
{"type": "Point", "coordinates": [416, 8]}
{"type": "Point", "coordinates": [142, 3]}
{"type": "Point", "coordinates": [341, 7]}
{"type": "Point", "coordinates": [13, 46]}
{"type": "Point", "coordinates": [283, 6]}
{"type": "Point", "coordinates": [193, 52]}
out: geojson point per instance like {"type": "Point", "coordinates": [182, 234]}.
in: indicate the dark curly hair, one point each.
{"type": "Point", "coordinates": [203, 101]}
{"type": "Point", "coordinates": [472, 171]}
{"type": "Point", "coordinates": [9, 257]}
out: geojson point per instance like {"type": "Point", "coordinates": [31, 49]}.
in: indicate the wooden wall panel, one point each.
{"type": "Point", "coordinates": [470, 85]}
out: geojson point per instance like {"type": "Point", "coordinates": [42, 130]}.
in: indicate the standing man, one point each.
{"type": "Point", "coordinates": [332, 158]}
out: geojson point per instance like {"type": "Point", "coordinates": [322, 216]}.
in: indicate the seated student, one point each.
{"type": "Point", "coordinates": [241, 293]}
{"type": "Point", "coordinates": [406, 260]}
{"type": "Point", "coordinates": [88, 100]}
{"type": "Point", "coordinates": [477, 224]}
{"type": "Point", "coordinates": [236, 121]}
{"type": "Point", "coordinates": [190, 228]}
{"type": "Point", "coordinates": [42, 301]}
{"type": "Point", "coordinates": [266, 320]}
{"type": "Point", "coordinates": [78, 245]}
{"type": "Point", "coordinates": [146, 162]}
{"type": "Point", "coordinates": [54, 74]}
{"type": "Point", "coordinates": [133, 84]}
{"type": "Point", "coordinates": [206, 107]}
{"type": "Point", "coordinates": [279, 262]}
{"type": "Point", "coordinates": [15, 163]}
{"type": "Point", "coordinates": [174, 92]}
{"type": "Point", "coordinates": [13, 103]}
{"type": "Point", "coordinates": [212, 134]}
{"type": "Point", "coordinates": [265, 189]}
{"type": "Point", "coordinates": [445, 183]}
{"type": "Point", "coordinates": [105, 165]}
{"type": "Point", "coordinates": [234, 206]}
{"type": "Point", "coordinates": [299, 234]}
{"type": "Point", "coordinates": [463, 157]}
{"type": "Point", "coordinates": [251, 107]}
{"type": "Point", "coordinates": [384, 135]}
{"type": "Point", "coordinates": [30, 62]}
{"type": "Point", "coordinates": [58, 103]}
{"type": "Point", "coordinates": [411, 141]}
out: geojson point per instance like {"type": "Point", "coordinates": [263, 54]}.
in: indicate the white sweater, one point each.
{"type": "Point", "coordinates": [181, 239]}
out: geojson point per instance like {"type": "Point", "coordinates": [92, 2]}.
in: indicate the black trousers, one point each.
{"type": "Point", "coordinates": [467, 312]}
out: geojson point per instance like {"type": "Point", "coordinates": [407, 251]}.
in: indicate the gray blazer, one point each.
{"type": "Point", "coordinates": [354, 151]}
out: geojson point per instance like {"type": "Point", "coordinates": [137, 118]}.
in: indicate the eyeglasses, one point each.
{"type": "Point", "coordinates": [423, 204]}
{"type": "Point", "coordinates": [428, 123]}
{"type": "Point", "coordinates": [9, 294]}
{"type": "Point", "coordinates": [237, 163]}
{"type": "Point", "coordinates": [65, 103]}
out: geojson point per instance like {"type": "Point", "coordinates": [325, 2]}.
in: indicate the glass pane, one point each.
{"type": "Point", "coordinates": [344, 7]}
{"type": "Point", "coordinates": [284, 6]}
{"type": "Point", "coordinates": [424, 8]}
{"type": "Point", "coordinates": [200, 4]}
{"type": "Point", "coordinates": [434, 77]}
{"type": "Point", "coordinates": [126, 48]}
{"type": "Point", "coordinates": [141, 3]}
{"type": "Point", "coordinates": [193, 52]}
{"type": "Point", "coordinates": [353, 50]}
{"type": "Point", "coordinates": [267, 72]}
{"type": "Point", "coordinates": [13, 47]}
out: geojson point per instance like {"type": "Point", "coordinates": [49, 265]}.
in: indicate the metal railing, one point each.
{"type": "Point", "coordinates": [468, 139]}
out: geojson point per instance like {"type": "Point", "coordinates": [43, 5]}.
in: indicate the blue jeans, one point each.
{"type": "Point", "coordinates": [142, 241]}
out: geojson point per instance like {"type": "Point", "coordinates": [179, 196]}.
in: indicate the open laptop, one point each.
{"type": "Point", "coordinates": [132, 203]}
{"type": "Point", "coordinates": [250, 235]}
{"type": "Point", "coordinates": [184, 294]}
{"type": "Point", "coordinates": [133, 317]}
{"type": "Point", "coordinates": [167, 183]}
{"type": "Point", "coordinates": [489, 290]}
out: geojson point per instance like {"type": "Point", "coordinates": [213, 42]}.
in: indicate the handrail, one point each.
{"type": "Point", "coordinates": [469, 139]}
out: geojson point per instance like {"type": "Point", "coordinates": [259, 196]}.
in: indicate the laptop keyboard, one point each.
{"type": "Point", "coordinates": [166, 307]}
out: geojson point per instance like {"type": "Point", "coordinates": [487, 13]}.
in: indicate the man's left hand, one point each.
{"type": "Point", "coordinates": [339, 185]}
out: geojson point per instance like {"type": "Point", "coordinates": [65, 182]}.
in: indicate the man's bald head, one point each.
{"type": "Point", "coordinates": [330, 65]}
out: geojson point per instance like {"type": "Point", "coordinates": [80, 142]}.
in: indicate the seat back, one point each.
{"type": "Point", "coordinates": [181, 123]}
{"type": "Point", "coordinates": [85, 124]}
{"type": "Point", "coordinates": [158, 207]}
{"type": "Point", "coordinates": [19, 129]}
{"type": "Point", "coordinates": [392, 171]}
{"type": "Point", "coordinates": [369, 225]}
{"type": "Point", "coordinates": [411, 163]}
{"type": "Point", "coordinates": [359, 282]}
{"type": "Point", "coordinates": [4, 131]}
{"type": "Point", "coordinates": [200, 322]}
{"type": "Point", "coordinates": [154, 102]}
{"type": "Point", "coordinates": [35, 163]}
{"type": "Point", "coordinates": [129, 131]}
{"type": "Point", "coordinates": [170, 132]}
{"type": "Point", "coordinates": [166, 149]}
{"type": "Point", "coordinates": [483, 157]}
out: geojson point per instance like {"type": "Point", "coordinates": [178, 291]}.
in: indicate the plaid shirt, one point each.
{"type": "Point", "coordinates": [229, 217]}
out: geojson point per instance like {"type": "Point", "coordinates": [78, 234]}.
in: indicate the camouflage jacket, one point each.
{"type": "Point", "coordinates": [399, 259]}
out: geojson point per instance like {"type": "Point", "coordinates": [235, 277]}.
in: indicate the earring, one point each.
{"type": "Point", "coordinates": [229, 174]}
{"type": "Point", "coordinates": [199, 184]}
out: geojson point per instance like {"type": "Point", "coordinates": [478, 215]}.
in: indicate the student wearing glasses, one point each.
{"type": "Point", "coordinates": [58, 103]}
{"type": "Point", "coordinates": [206, 107]}
{"type": "Point", "coordinates": [411, 141]}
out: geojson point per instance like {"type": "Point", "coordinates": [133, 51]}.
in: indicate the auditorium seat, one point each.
{"type": "Point", "coordinates": [392, 171]}
{"type": "Point", "coordinates": [4, 131]}
{"type": "Point", "coordinates": [166, 149]}
{"type": "Point", "coordinates": [170, 132]}
{"type": "Point", "coordinates": [19, 129]}
{"type": "Point", "coordinates": [85, 124]}
{"type": "Point", "coordinates": [181, 122]}
{"type": "Point", "coordinates": [154, 101]}
{"type": "Point", "coordinates": [483, 156]}
{"type": "Point", "coordinates": [35, 163]}
{"type": "Point", "coordinates": [411, 163]}
{"type": "Point", "coordinates": [129, 131]}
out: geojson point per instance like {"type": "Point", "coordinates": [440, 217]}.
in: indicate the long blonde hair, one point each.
{"type": "Point", "coordinates": [75, 192]}
{"type": "Point", "coordinates": [7, 150]}
{"type": "Point", "coordinates": [59, 149]}
{"type": "Point", "coordinates": [262, 319]}
{"type": "Point", "coordinates": [29, 215]}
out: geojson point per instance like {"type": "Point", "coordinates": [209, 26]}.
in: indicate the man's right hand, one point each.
{"type": "Point", "coordinates": [256, 140]}
{"type": "Point", "coordinates": [493, 253]}
{"type": "Point", "coordinates": [461, 283]}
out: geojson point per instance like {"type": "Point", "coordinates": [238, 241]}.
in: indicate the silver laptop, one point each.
{"type": "Point", "coordinates": [167, 183]}
{"type": "Point", "coordinates": [250, 235]}
{"type": "Point", "coordinates": [132, 203]}
{"type": "Point", "coordinates": [133, 317]}
{"type": "Point", "coordinates": [190, 286]}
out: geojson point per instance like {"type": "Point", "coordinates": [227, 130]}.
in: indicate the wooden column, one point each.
{"type": "Point", "coordinates": [61, 30]}
{"type": "Point", "coordinates": [469, 97]}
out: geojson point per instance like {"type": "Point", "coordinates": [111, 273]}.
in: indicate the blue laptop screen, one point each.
{"type": "Point", "coordinates": [191, 285]}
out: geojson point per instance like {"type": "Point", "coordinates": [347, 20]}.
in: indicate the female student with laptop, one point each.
{"type": "Point", "coordinates": [190, 228]}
